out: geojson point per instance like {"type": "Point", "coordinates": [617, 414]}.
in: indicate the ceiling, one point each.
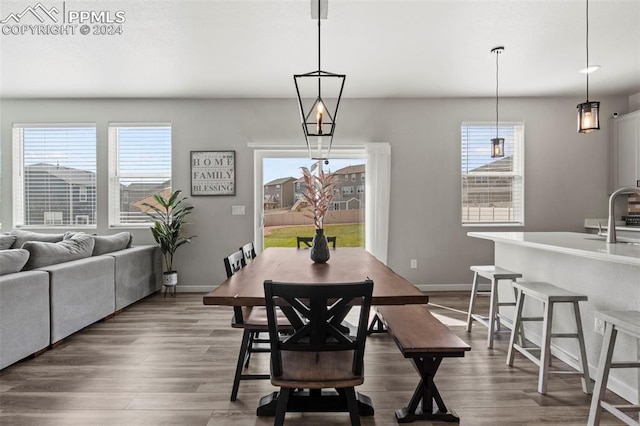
{"type": "Point", "coordinates": [387, 48]}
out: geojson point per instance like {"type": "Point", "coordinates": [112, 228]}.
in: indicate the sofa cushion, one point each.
{"type": "Point", "coordinates": [24, 236]}
{"type": "Point", "coordinates": [110, 243]}
{"type": "Point", "coordinates": [6, 241]}
{"type": "Point", "coordinates": [12, 260]}
{"type": "Point", "coordinates": [43, 253]}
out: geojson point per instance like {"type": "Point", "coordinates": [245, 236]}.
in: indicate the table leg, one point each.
{"type": "Point", "coordinates": [327, 400]}
{"type": "Point", "coordinates": [421, 405]}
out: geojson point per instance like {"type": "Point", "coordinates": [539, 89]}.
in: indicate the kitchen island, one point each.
{"type": "Point", "coordinates": [609, 274]}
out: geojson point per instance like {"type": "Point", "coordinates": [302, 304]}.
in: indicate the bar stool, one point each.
{"type": "Point", "coordinates": [627, 322]}
{"type": "Point", "coordinates": [549, 295]}
{"type": "Point", "coordinates": [492, 322]}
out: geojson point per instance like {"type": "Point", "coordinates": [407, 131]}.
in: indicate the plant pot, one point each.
{"type": "Point", "coordinates": [170, 278]}
{"type": "Point", "coordinates": [320, 247]}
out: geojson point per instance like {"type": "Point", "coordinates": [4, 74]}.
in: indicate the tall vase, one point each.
{"type": "Point", "coordinates": [320, 247]}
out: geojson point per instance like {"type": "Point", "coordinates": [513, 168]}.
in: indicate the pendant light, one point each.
{"type": "Point", "coordinates": [497, 144]}
{"type": "Point", "coordinates": [319, 94]}
{"type": "Point", "coordinates": [589, 111]}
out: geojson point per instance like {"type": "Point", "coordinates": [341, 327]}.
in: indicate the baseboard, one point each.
{"type": "Point", "coordinates": [194, 288]}
{"type": "Point", "coordinates": [452, 287]}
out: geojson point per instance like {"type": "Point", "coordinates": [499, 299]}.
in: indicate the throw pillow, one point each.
{"type": "Point", "coordinates": [12, 260]}
{"type": "Point", "coordinates": [6, 241]}
{"type": "Point", "coordinates": [78, 246]}
{"type": "Point", "coordinates": [110, 243]}
{"type": "Point", "coordinates": [24, 236]}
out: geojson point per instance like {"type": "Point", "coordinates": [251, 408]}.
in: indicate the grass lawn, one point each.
{"type": "Point", "coordinates": [349, 235]}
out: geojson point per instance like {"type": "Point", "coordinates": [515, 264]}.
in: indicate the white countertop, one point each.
{"type": "Point", "coordinates": [585, 245]}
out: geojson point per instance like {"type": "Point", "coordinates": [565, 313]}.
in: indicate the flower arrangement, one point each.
{"type": "Point", "coordinates": [318, 192]}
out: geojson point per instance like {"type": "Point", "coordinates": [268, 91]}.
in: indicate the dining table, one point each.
{"type": "Point", "coordinates": [346, 264]}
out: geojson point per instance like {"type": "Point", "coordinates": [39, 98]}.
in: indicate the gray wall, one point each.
{"type": "Point", "coordinates": [565, 173]}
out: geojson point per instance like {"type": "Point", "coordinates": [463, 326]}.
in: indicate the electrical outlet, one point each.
{"type": "Point", "coordinates": [598, 326]}
{"type": "Point", "coordinates": [237, 210]}
{"type": "Point", "coordinates": [414, 263]}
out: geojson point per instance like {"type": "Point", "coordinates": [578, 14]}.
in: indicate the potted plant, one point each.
{"type": "Point", "coordinates": [169, 214]}
{"type": "Point", "coordinates": [318, 194]}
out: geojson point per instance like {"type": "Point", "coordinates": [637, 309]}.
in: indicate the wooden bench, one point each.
{"type": "Point", "coordinates": [424, 339]}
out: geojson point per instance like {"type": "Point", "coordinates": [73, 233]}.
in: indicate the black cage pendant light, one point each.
{"type": "Point", "coordinates": [589, 111]}
{"type": "Point", "coordinates": [497, 144]}
{"type": "Point", "coordinates": [319, 94]}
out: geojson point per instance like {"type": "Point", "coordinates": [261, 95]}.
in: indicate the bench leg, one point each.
{"type": "Point", "coordinates": [472, 300]}
{"type": "Point", "coordinates": [586, 380]}
{"type": "Point", "coordinates": [545, 350]}
{"type": "Point", "coordinates": [517, 328]}
{"type": "Point", "coordinates": [602, 376]}
{"type": "Point", "coordinates": [376, 326]}
{"type": "Point", "coordinates": [493, 313]}
{"type": "Point", "coordinates": [421, 404]}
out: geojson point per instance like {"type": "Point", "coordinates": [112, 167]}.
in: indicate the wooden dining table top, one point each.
{"type": "Point", "coordinates": [246, 287]}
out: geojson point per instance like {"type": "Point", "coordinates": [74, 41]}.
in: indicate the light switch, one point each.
{"type": "Point", "coordinates": [237, 210]}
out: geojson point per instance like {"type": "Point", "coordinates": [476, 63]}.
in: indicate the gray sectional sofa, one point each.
{"type": "Point", "coordinates": [52, 286]}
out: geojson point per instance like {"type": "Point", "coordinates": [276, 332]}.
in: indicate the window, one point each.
{"type": "Point", "coordinates": [277, 186]}
{"type": "Point", "coordinates": [132, 182]}
{"type": "Point", "coordinates": [55, 174]}
{"type": "Point", "coordinates": [347, 190]}
{"type": "Point", "coordinates": [353, 177]}
{"type": "Point", "coordinates": [360, 189]}
{"type": "Point", "coordinates": [492, 188]}
{"type": "Point", "coordinates": [362, 177]}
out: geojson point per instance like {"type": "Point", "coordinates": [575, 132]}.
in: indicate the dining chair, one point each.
{"type": "Point", "coordinates": [253, 320]}
{"type": "Point", "coordinates": [306, 242]}
{"type": "Point", "coordinates": [320, 353]}
{"type": "Point", "coordinates": [249, 252]}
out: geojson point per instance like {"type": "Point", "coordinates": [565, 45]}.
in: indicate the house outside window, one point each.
{"type": "Point", "coordinates": [132, 182]}
{"type": "Point", "coordinates": [492, 188]}
{"type": "Point", "coordinates": [52, 163]}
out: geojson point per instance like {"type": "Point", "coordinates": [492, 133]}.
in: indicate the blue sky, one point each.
{"type": "Point", "coordinates": [275, 168]}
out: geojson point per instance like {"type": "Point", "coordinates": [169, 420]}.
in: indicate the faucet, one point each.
{"type": "Point", "coordinates": [611, 232]}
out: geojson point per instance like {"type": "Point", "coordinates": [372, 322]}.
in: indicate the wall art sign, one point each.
{"type": "Point", "coordinates": [213, 173]}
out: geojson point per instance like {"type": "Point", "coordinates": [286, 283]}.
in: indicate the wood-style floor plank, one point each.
{"type": "Point", "coordinates": [170, 361]}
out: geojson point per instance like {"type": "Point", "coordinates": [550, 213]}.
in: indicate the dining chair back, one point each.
{"type": "Point", "coordinates": [306, 242]}
{"type": "Point", "coordinates": [249, 252]}
{"type": "Point", "coordinates": [234, 262]}
{"type": "Point", "coordinates": [320, 352]}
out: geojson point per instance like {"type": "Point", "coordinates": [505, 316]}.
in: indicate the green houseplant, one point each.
{"type": "Point", "coordinates": [169, 214]}
{"type": "Point", "coordinates": [318, 194]}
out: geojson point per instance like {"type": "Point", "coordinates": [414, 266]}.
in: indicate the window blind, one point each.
{"type": "Point", "coordinates": [139, 166]}
{"type": "Point", "coordinates": [492, 188]}
{"type": "Point", "coordinates": [55, 175]}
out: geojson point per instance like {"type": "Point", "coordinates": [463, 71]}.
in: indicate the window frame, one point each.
{"type": "Point", "coordinates": [518, 172]}
{"type": "Point", "coordinates": [18, 182]}
{"type": "Point", "coordinates": [114, 201]}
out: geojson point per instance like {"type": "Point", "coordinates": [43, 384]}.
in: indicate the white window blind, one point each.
{"type": "Point", "coordinates": [54, 174]}
{"type": "Point", "coordinates": [492, 188]}
{"type": "Point", "coordinates": [139, 166]}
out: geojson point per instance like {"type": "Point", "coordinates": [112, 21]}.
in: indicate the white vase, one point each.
{"type": "Point", "coordinates": [170, 278]}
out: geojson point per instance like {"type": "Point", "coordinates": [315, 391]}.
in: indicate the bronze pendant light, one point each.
{"type": "Point", "coordinates": [589, 111]}
{"type": "Point", "coordinates": [497, 144]}
{"type": "Point", "coordinates": [319, 111]}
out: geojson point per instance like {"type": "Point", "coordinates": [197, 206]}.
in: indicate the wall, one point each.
{"type": "Point", "coordinates": [565, 172]}
{"type": "Point", "coordinates": [634, 102]}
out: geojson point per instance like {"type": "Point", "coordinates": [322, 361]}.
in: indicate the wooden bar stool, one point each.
{"type": "Point", "coordinates": [492, 322]}
{"type": "Point", "coordinates": [627, 322]}
{"type": "Point", "coordinates": [549, 295]}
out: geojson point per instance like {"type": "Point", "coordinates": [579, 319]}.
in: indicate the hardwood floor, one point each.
{"type": "Point", "coordinates": [171, 362]}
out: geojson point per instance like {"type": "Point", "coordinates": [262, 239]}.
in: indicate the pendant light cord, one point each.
{"type": "Point", "coordinates": [319, 67]}
{"type": "Point", "coordinates": [497, 54]}
{"type": "Point", "coordinates": [587, 44]}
